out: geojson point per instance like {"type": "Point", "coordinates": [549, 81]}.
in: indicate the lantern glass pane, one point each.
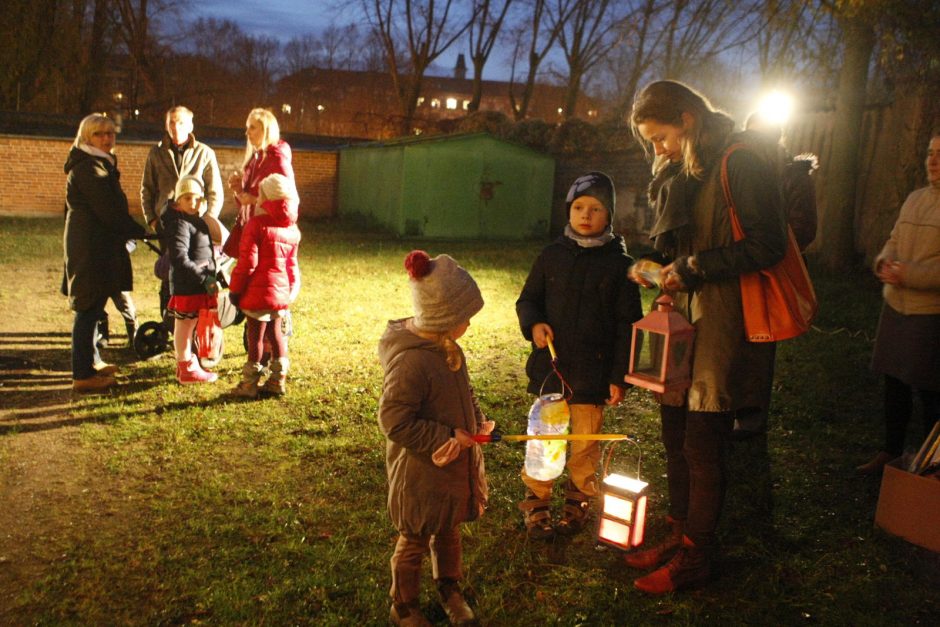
{"type": "Point", "coordinates": [648, 354]}
{"type": "Point", "coordinates": [618, 507]}
{"type": "Point", "coordinates": [614, 532]}
{"type": "Point", "coordinates": [639, 524]}
{"type": "Point", "coordinates": [679, 353]}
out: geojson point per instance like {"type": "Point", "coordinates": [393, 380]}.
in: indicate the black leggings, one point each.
{"type": "Point", "coordinates": [899, 405]}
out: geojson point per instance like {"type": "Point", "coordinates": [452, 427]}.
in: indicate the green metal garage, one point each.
{"type": "Point", "coordinates": [471, 186]}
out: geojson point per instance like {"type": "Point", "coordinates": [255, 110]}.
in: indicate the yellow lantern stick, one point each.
{"type": "Point", "coordinates": [571, 437]}
{"type": "Point", "coordinates": [551, 349]}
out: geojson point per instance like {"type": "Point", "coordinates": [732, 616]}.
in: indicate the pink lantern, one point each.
{"type": "Point", "coordinates": [661, 350]}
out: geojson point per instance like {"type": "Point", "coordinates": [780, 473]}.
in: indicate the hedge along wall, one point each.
{"type": "Point", "coordinates": [32, 181]}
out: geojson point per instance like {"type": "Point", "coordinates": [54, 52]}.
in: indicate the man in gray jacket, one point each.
{"type": "Point", "coordinates": [176, 155]}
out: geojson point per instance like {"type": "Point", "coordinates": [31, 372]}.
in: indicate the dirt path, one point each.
{"type": "Point", "coordinates": [48, 496]}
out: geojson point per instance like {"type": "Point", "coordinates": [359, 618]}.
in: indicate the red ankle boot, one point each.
{"type": "Point", "coordinates": [657, 554]}
{"type": "Point", "coordinates": [190, 372]}
{"type": "Point", "coordinates": [688, 568]}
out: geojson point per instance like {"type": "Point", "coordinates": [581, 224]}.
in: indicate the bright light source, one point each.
{"type": "Point", "coordinates": [776, 107]}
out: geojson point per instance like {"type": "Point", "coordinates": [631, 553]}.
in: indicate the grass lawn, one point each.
{"type": "Point", "coordinates": [157, 504]}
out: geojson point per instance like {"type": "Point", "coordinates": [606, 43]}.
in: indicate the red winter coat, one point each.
{"type": "Point", "coordinates": [275, 159]}
{"type": "Point", "coordinates": [267, 275]}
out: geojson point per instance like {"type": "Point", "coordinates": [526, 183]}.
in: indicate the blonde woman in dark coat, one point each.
{"type": "Point", "coordinates": [428, 413]}
{"type": "Point", "coordinates": [97, 227]}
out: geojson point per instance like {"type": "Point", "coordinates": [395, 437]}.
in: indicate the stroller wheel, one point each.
{"type": "Point", "coordinates": [150, 340]}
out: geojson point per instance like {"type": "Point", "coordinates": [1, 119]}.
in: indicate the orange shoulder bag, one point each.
{"type": "Point", "coordinates": [779, 302]}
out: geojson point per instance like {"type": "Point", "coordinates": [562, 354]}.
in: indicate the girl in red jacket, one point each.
{"type": "Point", "coordinates": [266, 281]}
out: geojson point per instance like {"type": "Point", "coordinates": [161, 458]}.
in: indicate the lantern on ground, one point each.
{"type": "Point", "coordinates": [622, 517]}
{"type": "Point", "coordinates": [661, 350]}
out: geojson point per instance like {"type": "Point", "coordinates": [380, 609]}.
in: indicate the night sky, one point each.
{"type": "Point", "coordinates": [285, 19]}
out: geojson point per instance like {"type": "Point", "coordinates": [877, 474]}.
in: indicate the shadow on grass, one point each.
{"type": "Point", "coordinates": [36, 385]}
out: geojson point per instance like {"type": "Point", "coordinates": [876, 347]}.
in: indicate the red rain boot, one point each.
{"type": "Point", "coordinates": [689, 567]}
{"type": "Point", "coordinates": [657, 554]}
{"type": "Point", "coordinates": [190, 372]}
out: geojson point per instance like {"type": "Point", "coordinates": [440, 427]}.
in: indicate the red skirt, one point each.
{"type": "Point", "coordinates": [188, 305]}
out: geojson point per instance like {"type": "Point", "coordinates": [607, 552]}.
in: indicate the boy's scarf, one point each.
{"type": "Point", "coordinates": [589, 241]}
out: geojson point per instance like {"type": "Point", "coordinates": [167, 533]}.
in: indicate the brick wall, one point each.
{"type": "Point", "coordinates": [32, 181]}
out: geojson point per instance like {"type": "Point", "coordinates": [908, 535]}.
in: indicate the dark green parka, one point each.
{"type": "Point", "coordinates": [728, 372]}
{"type": "Point", "coordinates": [97, 227]}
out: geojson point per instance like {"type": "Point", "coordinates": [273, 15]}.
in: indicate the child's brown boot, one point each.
{"type": "Point", "coordinates": [537, 516]}
{"type": "Point", "coordinates": [276, 383]}
{"type": "Point", "coordinates": [407, 615]}
{"type": "Point", "coordinates": [248, 386]}
{"type": "Point", "coordinates": [574, 514]}
{"type": "Point", "coordinates": [455, 605]}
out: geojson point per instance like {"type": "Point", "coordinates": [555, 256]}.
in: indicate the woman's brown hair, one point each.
{"type": "Point", "coordinates": [664, 102]}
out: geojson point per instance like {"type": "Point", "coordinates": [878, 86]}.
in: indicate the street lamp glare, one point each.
{"type": "Point", "coordinates": [776, 107]}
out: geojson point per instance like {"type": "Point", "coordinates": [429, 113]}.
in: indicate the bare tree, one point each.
{"type": "Point", "coordinates": [413, 34]}
{"type": "Point", "coordinates": [300, 53]}
{"type": "Point", "coordinates": [628, 62]}
{"type": "Point", "coordinates": [794, 31]}
{"type": "Point", "coordinates": [258, 61]}
{"type": "Point", "coordinates": [534, 39]}
{"type": "Point", "coordinates": [586, 36]}
{"type": "Point", "coordinates": [485, 25]}
{"type": "Point", "coordinates": [698, 31]}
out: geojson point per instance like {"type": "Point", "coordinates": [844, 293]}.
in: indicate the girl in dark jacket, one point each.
{"type": "Point", "coordinates": [578, 295]}
{"type": "Point", "coordinates": [97, 227]}
{"type": "Point", "coordinates": [266, 281]}
{"type": "Point", "coordinates": [193, 283]}
{"type": "Point", "coordinates": [729, 374]}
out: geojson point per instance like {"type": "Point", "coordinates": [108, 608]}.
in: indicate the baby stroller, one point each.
{"type": "Point", "coordinates": [153, 337]}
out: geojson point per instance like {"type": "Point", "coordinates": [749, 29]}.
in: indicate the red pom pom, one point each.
{"type": "Point", "coordinates": [418, 264]}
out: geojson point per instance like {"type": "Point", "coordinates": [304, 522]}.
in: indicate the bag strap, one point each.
{"type": "Point", "coordinates": [736, 229]}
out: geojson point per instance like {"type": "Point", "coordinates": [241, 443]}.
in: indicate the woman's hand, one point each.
{"type": "Point", "coordinates": [671, 280]}
{"type": "Point", "coordinates": [541, 334]}
{"type": "Point", "coordinates": [235, 182]}
{"type": "Point", "coordinates": [891, 272]}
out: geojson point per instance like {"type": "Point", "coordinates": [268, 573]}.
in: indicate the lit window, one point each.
{"type": "Point", "coordinates": [420, 100]}
{"type": "Point", "coordinates": [466, 105]}
{"type": "Point", "coordinates": [592, 113]}
{"type": "Point", "coordinates": [435, 103]}
{"type": "Point", "coordinates": [451, 103]}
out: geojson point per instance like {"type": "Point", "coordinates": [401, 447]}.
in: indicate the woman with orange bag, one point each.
{"type": "Point", "coordinates": [688, 138]}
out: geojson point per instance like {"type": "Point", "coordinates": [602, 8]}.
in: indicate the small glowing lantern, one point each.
{"type": "Point", "coordinates": [622, 518]}
{"type": "Point", "coordinates": [661, 350]}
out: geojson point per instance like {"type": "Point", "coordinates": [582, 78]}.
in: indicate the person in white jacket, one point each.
{"type": "Point", "coordinates": [907, 345]}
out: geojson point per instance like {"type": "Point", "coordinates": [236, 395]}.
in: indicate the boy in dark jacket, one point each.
{"type": "Point", "coordinates": [578, 295]}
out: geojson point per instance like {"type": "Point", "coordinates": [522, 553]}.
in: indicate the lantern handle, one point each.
{"type": "Point", "coordinates": [566, 390]}
{"type": "Point", "coordinates": [610, 453]}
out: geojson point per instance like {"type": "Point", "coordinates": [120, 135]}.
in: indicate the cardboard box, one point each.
{"type": "Point", "coordinates": [909, 506]}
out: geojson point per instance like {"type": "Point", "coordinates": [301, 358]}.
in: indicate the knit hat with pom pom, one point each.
{"type": "Point", "coordinates": [444, 294]}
